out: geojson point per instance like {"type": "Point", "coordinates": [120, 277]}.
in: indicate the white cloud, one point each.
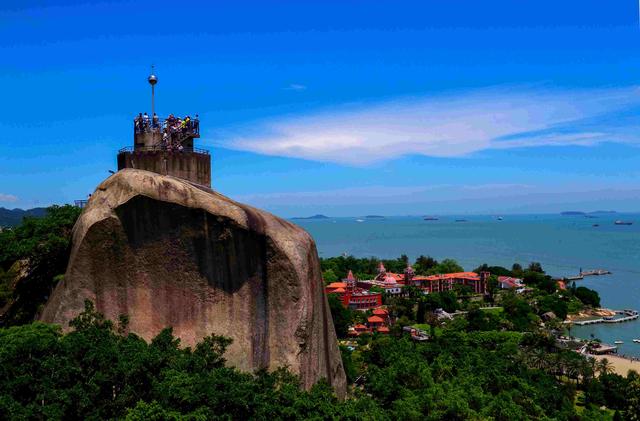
{"type": "Point", "coordinates": [295, 87]}
{"type": "Point", "coordinates": [8, 198]}
{"type": "Point", "coordinates": [443, 126]}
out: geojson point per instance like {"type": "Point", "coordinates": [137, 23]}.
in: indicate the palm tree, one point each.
{"type": "Point", "coordinates": [604, 367]}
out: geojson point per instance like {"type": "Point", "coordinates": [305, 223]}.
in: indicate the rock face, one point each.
{"type": "Point", "coordinates": [170, 253]}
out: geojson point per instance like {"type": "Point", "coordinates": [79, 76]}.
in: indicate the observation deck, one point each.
{"type": "Point", "coordinates": [165, 146]}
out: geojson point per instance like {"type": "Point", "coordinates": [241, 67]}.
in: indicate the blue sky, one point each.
{"type": "Point", "coordinates": [342, 108]}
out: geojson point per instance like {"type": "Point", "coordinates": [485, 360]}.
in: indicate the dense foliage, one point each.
{"type": "Point", "coordinates": [33, 256]}
{"type": "Point", "coordinates": [98, 372]}
{"type": "Point", "coordinates": [335, 268]}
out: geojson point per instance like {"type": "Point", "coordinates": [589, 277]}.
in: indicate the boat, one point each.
{"type": "Point", "coordinates": [618, 342]}
{"type": "Point", "coordinates": [595, 225]}
{"type": "Point", "coordinates": [461, 220]}
{"type": "Point", "coordinates": [636, 341]}
{"type": "Point", "coordinates": [500, 218]}
{"type": "Point", "coordinates": [359, 220]}
{"type": "Point", "coordinates": [430, 218]}
{"type": "Point", "coordinates": [619, 222]}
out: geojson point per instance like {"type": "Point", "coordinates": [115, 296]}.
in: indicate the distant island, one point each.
{"type": "Point", "coordinates": [374, 217]}
{"type": "Point", "coordinates": [319, 216]}
{"type": "Point", "coordinates": [581, 213]}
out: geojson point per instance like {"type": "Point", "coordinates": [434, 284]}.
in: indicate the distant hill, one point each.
{"type": "Point", "coordinates": [311, 217]}
{"type": "Point", "coordinates": [571, 213]}
{"type": "Point", "coordinates": [374, 217]}
{"type": "Point", "coordinates": [13, 217]}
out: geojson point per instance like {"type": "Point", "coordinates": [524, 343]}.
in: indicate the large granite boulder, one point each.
{"type": "Point", "coordinates": [167, 252]}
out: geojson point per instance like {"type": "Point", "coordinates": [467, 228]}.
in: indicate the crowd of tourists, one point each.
{"type": "Point", "coordinates": [173, 128]}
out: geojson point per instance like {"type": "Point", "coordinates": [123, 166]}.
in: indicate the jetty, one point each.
{"type": "Point", "coordinates": [627, 316]}
{"type": "Point", "coordinates": [595, 272]}
{"type": "Point", "coordinates": [583, 273]}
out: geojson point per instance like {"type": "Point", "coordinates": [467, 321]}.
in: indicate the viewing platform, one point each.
{"type": "Point", "coordinates": [166, 146]}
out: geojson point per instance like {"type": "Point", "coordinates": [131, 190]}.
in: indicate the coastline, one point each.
{"type": "Point", "coordinates": [589, 314]}
{"type": "Point", "coordinates": [620, 365]}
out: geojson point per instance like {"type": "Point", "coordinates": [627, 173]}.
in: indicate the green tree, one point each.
{"type": "Point", "coordinates": [340, 314]}
{"type": "Point", "coordinates": [633, 403]}
{"type": "Point", "coordinates": [588, 296]}
{"type": "Point", "coordinates": [424, 264]}
{"type": "Point", "coordinates": [39, 248]}
{"type": "Point", "coordinates": [447, 266]}
{"type": "Point", "coordinates": [329, 276]}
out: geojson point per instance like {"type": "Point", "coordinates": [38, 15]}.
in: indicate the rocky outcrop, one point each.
{"type": "Point", "coordinates": [170, 253]}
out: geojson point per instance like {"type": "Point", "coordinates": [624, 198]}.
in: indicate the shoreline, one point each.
{"type": "Point", "coordinates": [620, 365]}
{"type": "Point", "coordinates": [590, 314]}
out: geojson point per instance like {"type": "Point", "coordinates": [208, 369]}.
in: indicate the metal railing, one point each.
{"type": "Point", "coordinates": [161, 148]}
{"type": "Point", "coordinates": [142, 125]}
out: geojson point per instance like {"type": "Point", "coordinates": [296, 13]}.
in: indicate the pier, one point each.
{"type": "Point", "coordinates": [582, 274]}
{"type": "Point", "coordinates": [629, 315]}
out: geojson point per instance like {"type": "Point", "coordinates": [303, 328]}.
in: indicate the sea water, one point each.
{"type": "Point", "coordinates": [562, 244]}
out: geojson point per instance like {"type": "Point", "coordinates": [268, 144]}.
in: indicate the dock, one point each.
{"type": "Point", "coordinates": [595, 272]}
{"type": "Point", "coordinates": [628, 315]}
{"type": "Point", "coordinates": [583, 273]}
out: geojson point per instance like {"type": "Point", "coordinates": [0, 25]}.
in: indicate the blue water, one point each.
{"type": "Point", "coordinates": [563, 244]}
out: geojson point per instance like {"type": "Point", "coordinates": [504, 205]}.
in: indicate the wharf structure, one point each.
{"type": "Point", "coordinates": [627, 316]}
{"type": "Point", "coordinates": [166, 146]}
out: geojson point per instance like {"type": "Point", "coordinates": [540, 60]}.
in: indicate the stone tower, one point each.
{"type": "Point", "coordinates": [166, 146]}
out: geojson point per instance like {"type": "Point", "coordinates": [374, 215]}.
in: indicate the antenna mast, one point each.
{"type": "Point", "coordinates": [153, 79]}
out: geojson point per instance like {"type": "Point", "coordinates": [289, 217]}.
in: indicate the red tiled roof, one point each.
{"type": "Point", "coordinates": [339, 290]}
{"type": "Point", "coordinates": [457, 275]}
{"type": "Point", "coordinates": [334, 285]}
{"type": "Point", "coordinates": [350, 276]}
{"type": "Point", "coordinates": [360, 327]}
{"type": "Point", "coordinates": [380, 312]}
{"type": "Point", "coordinates": [511, 282]}
{"type": "Point", "coordinates": [396, 276]}
{"type": "Point", "coordinates": [383, 329]}
{"type": "Point", "coordinates": [375, 319]}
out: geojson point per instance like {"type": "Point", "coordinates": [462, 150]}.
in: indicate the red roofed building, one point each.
{"type": "Point", "coordinates": [375, 321]}
{"type": "Point", "coordinates": [360, 328]}
{"type": "Point", "coordinates": [389, 277]}
{"type": "Point", "coordinates": [445, 282]}
{"type": "Point", "coordinates": [382, 312]}
{"type": "Point", "coordinates": [352, 296]}
{"type": "Point", "coordinates": [507, 282]}
{"type": "Point", "coordinates": [383, 329]}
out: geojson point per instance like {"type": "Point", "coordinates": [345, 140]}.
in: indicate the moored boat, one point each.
{"type": "Point", "coordinates": [618, 342]}
{"type": "Point", "coordinates": [619, 222]}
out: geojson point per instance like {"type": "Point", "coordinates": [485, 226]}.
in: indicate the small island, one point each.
{"type": "Point", "coordinates": [318, 216]}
